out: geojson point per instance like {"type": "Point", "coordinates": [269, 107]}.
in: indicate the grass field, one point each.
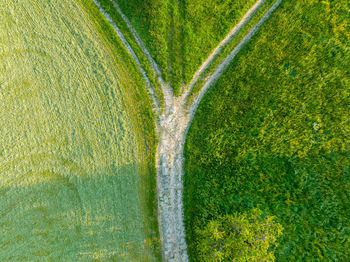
{"type": "Point", "coordinates": [181, 34]}
{"type": "Point", "coordinates": [273, 133]}
{"type": "Point", "coordinates": [77, 143]}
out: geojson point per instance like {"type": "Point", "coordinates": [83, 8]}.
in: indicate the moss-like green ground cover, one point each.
{"type": "Point", "coordinates": [273, 133]}
{"type": "Point", "coordinates": [77, 143]}
{"type": "Point", "coordinates": [181, 34]}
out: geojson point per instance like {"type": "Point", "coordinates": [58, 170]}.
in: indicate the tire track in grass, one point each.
{"type": "Point", "coordinates": [133, 55]}
{"type": "Point", "coordinates": [153, 64]}
{"type": "Point", "coordinates": [167, 92]}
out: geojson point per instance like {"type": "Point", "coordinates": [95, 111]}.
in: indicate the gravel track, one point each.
{"type": "Point", "coordinates": [173, 126]}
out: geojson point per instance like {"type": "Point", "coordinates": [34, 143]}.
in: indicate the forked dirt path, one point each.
{"type": "Point", "coordinates": [174, 121]}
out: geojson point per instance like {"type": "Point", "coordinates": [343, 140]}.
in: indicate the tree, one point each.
{"type": "Point", "coordinates": [239, 237]}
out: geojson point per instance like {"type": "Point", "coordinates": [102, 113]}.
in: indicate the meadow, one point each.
{"type": "Point", "coordinates": [77, 130]}
{"type": "Point", "coordinates": [77, 142]}
{"type": "Point", "coordinates": [273, 133]}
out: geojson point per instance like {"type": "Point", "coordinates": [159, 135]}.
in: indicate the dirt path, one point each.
{"type": "Point", "coordinates": [173, 126]}
{"type": "Point", "coordinates": [174, 122]}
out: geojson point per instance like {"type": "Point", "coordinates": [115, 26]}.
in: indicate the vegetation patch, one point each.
{"type": "Point", "coordinates": [273, 134]}
{"type": "Point", "coordinates": [239, 237]}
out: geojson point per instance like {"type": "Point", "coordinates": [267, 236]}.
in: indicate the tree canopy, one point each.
{"type": "Point", "coordinates": [239, 237]}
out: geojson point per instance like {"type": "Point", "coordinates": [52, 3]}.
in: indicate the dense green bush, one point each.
{"type": "Point", "coordinates": [239, 237]}
{"type": "Point", "coordinates": [273, 133]}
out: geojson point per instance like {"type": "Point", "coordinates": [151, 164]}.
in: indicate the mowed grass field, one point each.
{"type": "Point", "coordinates": [77, 175]}
{"type": "Point", "coordinates": [273, 133]}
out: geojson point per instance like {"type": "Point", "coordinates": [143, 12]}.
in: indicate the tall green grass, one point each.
{"type": "Point", "coordinates": [273, 133]}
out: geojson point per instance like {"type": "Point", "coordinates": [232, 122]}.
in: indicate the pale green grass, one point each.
{"type": "Point", "coordinates": [69, 160]}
